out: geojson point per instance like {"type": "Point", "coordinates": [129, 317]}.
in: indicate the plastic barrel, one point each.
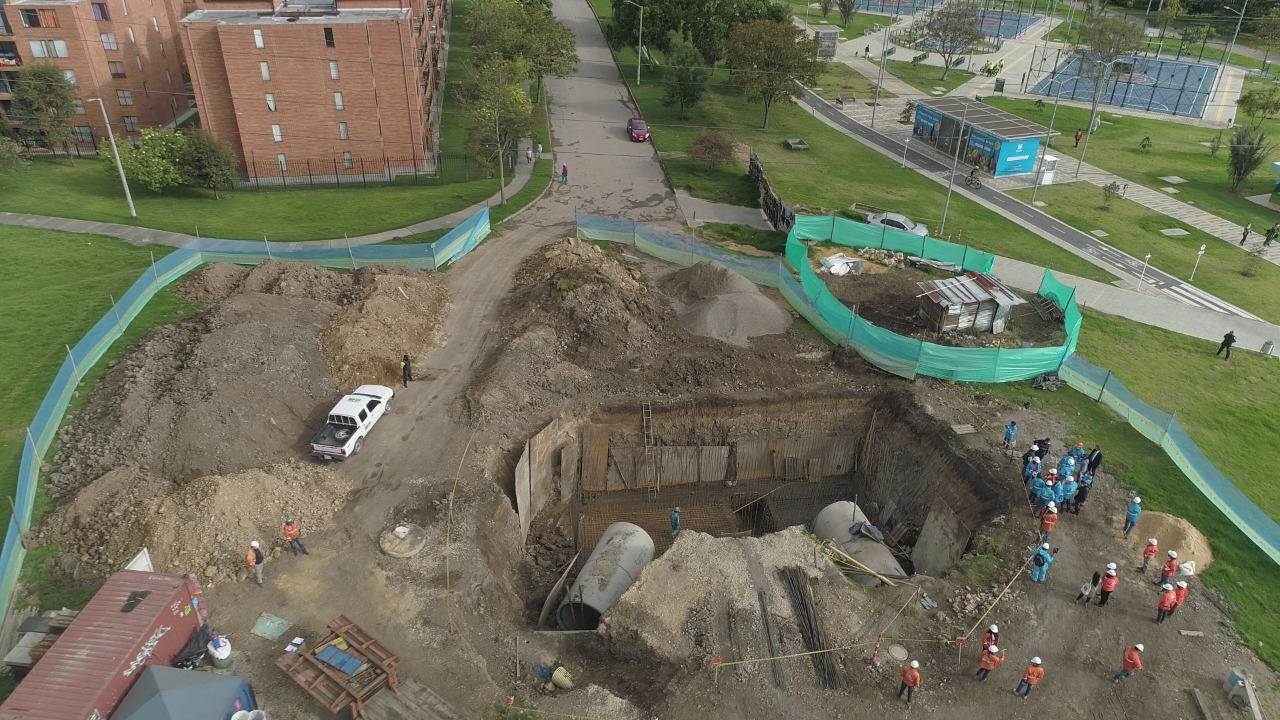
{"type": "Point", "coordinates": [257, 715]}
{"type": "Point", "coordinates": [240, 715]}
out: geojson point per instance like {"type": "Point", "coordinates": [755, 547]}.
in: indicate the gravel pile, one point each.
{"type": "Point", "coordinates": [721, 304]}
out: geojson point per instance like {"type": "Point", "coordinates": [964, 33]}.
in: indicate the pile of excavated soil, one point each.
{"type": "Point", "coordinates": [719, 303]}
{"type": "Point", "coordinates": [201, 526]}
{"type": "Point", "coordinates": [216, 282]}
{"type": "Point", "coordinates": [1174, 533]}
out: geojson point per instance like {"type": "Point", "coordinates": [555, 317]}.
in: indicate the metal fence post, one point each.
{"type": "Point", "coordinates": [154, 272]}
{"type": "Point", "coordinates": [337, 177]}
{"type": "Point", "coordinates": [311, 180]}
{"type": "Point", "coordinates": [349, 253]}
{"type": "Point", "coordinates": [634, 226]}
{"type": "Point", "coordinates": [114, 309]}
{"type": "Point", "coordinates": [1103, 390]}
{"type": "Point", "coordinates": [72, 358]}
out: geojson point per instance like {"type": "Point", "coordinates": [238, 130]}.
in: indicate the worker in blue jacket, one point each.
{"type": "Point", "coordinates": [1060, 492]}
{"type": "Point", "coordinates": [1040, 564]}
{"type": "Point", "coordinates": [1078, 453]}
{"type": "Point", "coordinates": [1067, 466]}
{"type": "Point", "coordinates": [1045, 496]}
{"type": "Point", "coordinates": [1069, 489]}
{"type": "Point", "coordinates": [1132, 513]}
{"type": "Point", "coordinates": [1034, 488]}
{"type": "Point", "coordinates": [1031, 469]}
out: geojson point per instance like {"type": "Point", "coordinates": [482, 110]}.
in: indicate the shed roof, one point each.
{"type": "Point", "coordinates": [984, 117]}
{"type": "Point", "coordinates": [969, 289]}
{"type": "Point", "coordinates": [162, 693]}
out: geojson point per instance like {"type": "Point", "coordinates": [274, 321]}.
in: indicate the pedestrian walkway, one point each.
{"type": "Point", "coordinates": [700, 212]}
{"type": "Point", "coordinates": [147, 236]}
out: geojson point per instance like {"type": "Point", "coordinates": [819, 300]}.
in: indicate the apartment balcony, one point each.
{"type": "Point", "coordinates": [9, 56]}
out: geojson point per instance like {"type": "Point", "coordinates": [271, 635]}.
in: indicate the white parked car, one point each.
{"type": "Point", "coordinates": [894, 221]}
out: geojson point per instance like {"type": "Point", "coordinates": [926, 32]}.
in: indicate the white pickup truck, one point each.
{"type": "Point", "coordinates": [350, 420]}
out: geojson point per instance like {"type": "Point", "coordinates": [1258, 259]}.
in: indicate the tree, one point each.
{"type": "Point", "coordinates": [158, 163]}
{"type": "Point", "coordinates": [847, 9]}
{"type": "Point", "coordinates": [769, 58]}
{"type": "Point", "coordinates": [1104, 39]}
{"type": "Point", "coordinates": [1215, 144]}
{"type": "Point", "coordinates": [1167, 14]}
{"type": "Point", "coordinates": [1267, 32]}
{"type": "Point", "coordinates": [500, 111]}
{"type": "Point", "coordinates": [210, 162]}
{"type": "Point", "coordinates": [513, 29]}
{"type": "Point", "coordinates": [706, 24]}
{"type": "Point", "coordinates": [1197, 35]}
{"type": "Point", "coordinates": [951, 30]}
{"type": "Point", "coordinates": [1109, 193]}
{"type": "Point", "coordinates": [825, 7]}
{"type": "Point", "coordinates": [11, 158]}
{"type": "Point", "coordinates": [1260, 104]}
{"type": "Point", "coordinates": [686, 79]}
{"type": "Point", "coordinates": [44, 101]}
{"type": "Point", "coordinates": [712, 149]}
{"type": "Point", "coordinates": [1249, 150]}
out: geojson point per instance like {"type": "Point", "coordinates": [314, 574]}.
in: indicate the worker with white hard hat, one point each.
{"type": "Point", "coordinates": [254, 559]}
{"type": "Point", "coordinates": [1110, 581]}
{"type": "Point", "coordinates": [1170, 569]}
{"type": "Point", "coordinates": [1151, 550]}
{"type": "Point", "coordinates": [1130, 663]}
{"type": "Point", "coordinates": [1181, 592]}
{"type": "Point", "coordinates": [1131, 515]}
{"type": "Point", "coordinates": [910, 681]}
{"type": "Point", "coordinates": [987, 662]}
{"type": "Point", "coordinates": [990, 637]}
{"type": "Point", "coordinates": [1168, 601]}
{"type": "Point", "coordinates": [1040, 564]}
{"type": "Point", "coordinates": [1030, 678]}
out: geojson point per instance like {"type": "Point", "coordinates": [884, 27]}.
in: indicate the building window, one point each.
{"type": "Point", "coordinates": [131, 38]}
{"type": "Point", "coordinates": [145, 91]}
{"type": "Point", "coordinates": [342, 131]}
{"type": "Point", "coordinates": [266, 71]}
{"type": "Point", "coordinates": [271, 102]}
{"type": "Point", "coordinates": [328, 37]}
{"type": "Point", "coordinates": [333, 69]}
{"type": "Point", "coordinates": [276, 134]}
{"type": "Point", "coordinates": [337, 101]}
{"type": "Point", "coordinates": [100, 12]}
{"type": "Point", "coordinates": [155, 23]}
{"type": "Point", "coordinates": [108, 41]}
{"type": "Point", "coordinates": [84, 133]}
{"type": "Point", "coordinates": [162, 54]}
{"type": "Point", "coordinates": [116, 68]}
{"type": "Point", "coordinates": [137, 60]}
{"type": "Point", "coordinates": [131, 124]}
{"type": "Point", "coordinates": [124, 7]}
{"type": "Point", "coordinates": [70, 75]}
{"type": "Point", "coordinates": [48, 48]}
{"type": "Point", "coordinates": [124, 97]}
{"type": "Point", "coordinates": [346, 161]}
{"type": "Point", "coordinates": [257, 39]}
{"type": "Point", "coordinates": [284, 164]}
{"type": "Point", "coordinates": [79, 106]}
{"type": "Point", "coordinates": [168, 77]}
{"type": "Point", "coordinates": [39, 18]}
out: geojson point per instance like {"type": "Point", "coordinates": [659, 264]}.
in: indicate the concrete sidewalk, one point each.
{"type": "Point", "coordinates": [700, 212]}
{"type": "Point", "coordinates": [147, 236]}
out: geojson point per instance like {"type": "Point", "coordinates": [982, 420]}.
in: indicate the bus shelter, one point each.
{"type": "Point", "coordinates": [993, 140]}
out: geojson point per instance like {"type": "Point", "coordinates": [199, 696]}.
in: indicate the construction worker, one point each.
{"type": "Point", "coordinates": [1082, 493]}
{"type": "Point", "coordinates": [1010, 432]}
{"type": "Point", "coordinates": [1060, 489]}
{"type": "Point", "coordinates": [1046, 494]}
{"type": "Point", "coordinates": [1031, 470]}
{"type": "Point", "coordinates": [1030, 453]}
{"type": "Point", "coordinates": [1131, 515]}
{"type": "Point", "coordinates": [1034, 487]}
{"type": "Point", "coordinates": [990, 637]}
{"type": "Point", "coordinates": [406, 370]}
{"type": "Point", "coordinates": [988, 662]}
{"type": "Point", "coordinates": [1130, 663]}
{"type": "Point", "coordinates": [1150, 551]}
{"type": "Point", "coordinates": [1040, 564]}
{"type": "Point", "coordinates": [1170, 569]}
{"type": "Point", "coordinates": [1181, 592]}
{"type": "Point", "coordinates": [1030, 678]}
{"type": "Point", "coordinates": [254, 559]}
{"type": "Point", "coordinates": [1110, 582]}
{"type": "Point", "coordinates": [1168, 601]}
{"type": "Point", "coordinates": [675, 522]}
{"type": "Point", "coordinates": [1042, 448]}
{"type": "Point", "coordinates": [1066, 465]}
{"type": "Point", "coordinates": [1048, 522]}
{"type": "Point", "coordinates": [1078, 452]}
{"type": "Point", "coordinates": [910, 681]}
{"type": "Point", "coordinates": [293, 536]}
{"type": "Point", "coordinates": [1069, 489]}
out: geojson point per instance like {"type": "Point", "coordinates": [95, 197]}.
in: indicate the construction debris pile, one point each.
{"type": "Point", "coordinates": [716, 302]}
{"type": "Point", "coordinates": [887, 258]}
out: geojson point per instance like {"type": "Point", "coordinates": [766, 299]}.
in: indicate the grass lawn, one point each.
{"type": "Point", "coordinates": [721, 234]}
{"type": "Point", "coordinates": [838, 78]}
{"type": "Point", "coordinates": [859, 25]}
{"type": "Point", "coordinates": [56, 289]}
{"type": "Point", "coordinates": [926, 77]}
{"type": "Point", "coordinates": [1176, 150]}
{"type": "Point", "coordinates": [1136, 230]}
{"type": "Point", "coordinates": [1224, 407]}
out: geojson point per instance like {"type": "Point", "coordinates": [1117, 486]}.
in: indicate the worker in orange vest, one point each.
{"type": "Point", "coordinates": [1131, 663]}
{"type": "Point", "coordinates": [910, 681]}
{"type": "Point", "coordinates": [254, 559]}
{"type": "Point", "coordinates": [1168, 601]}
{"type": "Point", "coordinates": [988, 662]}
{"type": "Point", "coordinates": [1048, 522]}
{"type": "Point", "coordinates": [293, 535]}
{"type": "Point", "coordinates": [1030, 678]}
{"type": "Point", "coordinates": [1151, 550]}
{"type": "Point", "coordinates": [1110, 582]}
{"type": "Point", "coordinates": [1169, 570]}
{"type": "Point", "coordinates": [1181, 593]}
{"type": "Point", "coordinates": [990, 637]}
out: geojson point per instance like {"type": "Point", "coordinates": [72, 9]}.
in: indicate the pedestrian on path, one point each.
{"type": "Point", "coordinates": [1094, 461]}
{"type": "Point", "coordinates": [528, 155]}
{"type": "Point", "coordinates": [910, 681]}
{"type": "Point", "coordinates": [1227, 341]}
{"type": "Point", "coordinates": [988, 662]}
{"type": "Point", "coordinates": [1131, 515]}
{"type": "Point", "coordinates": [675, 522]}
{"type": "Point", "coordinates": [1048, 521]}
{"type": "Point", "coordinates": [1151, 550]}
{"type": "Point", "coordinates": [1272, 232]}
{"type": "Point", "coordinates": [1079, 136]}
{"type": "Point", "coordinates": [1030, 678]}
{"type": "Point", "coordinates": [867, 52]}
{"type": "Point", "coordinates": [406, 370]}
{"type": "Point", "coordinates": [1110, 582]}
{"type": "Point", "coordinates": [1040, 563]}
{"type": "Point", "coordinates": [1130, 663]}
{"type": "Point", "coordinates": [1169, 570]}
{"type": "Point", "coordinates": [1248, 228]}
{"type": "Point", "coordinates": [293, 536]}
{"type": "Point", "coordinates": [1168, 601]}
{"type": "Point", "coordinates": [1010, 432]}
{"type": "Point", "coordinates": [1089, 588]}
{"type": "Point", "coordinates": [254, 559]}
{"type": "Point", "coordinates": [564, 174]}
{"type": "Point", "coordinates": [539, 151]}
{"type": "Point", "coordinates": [1181, 592]}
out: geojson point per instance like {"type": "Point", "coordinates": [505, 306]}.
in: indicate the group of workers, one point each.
{"type": "Point", "coordinates": [1061, 488]}
{"type": "Point", "coordinates": [292, 534]}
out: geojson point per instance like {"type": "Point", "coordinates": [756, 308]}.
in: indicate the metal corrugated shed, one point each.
{"type": "Point", "coordinates": [1002, 124]}
{"type": "Point", "coordinates": [88, 671]}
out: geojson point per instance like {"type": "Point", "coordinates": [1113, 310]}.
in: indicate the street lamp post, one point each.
{"type": "Point", "coordinates": [639, 41]}
{"type": "Point", "coordinates": [875, 104]}
{"type": "Point", "coordinates": [115, 152]}
{"type": "Point", "coordinates": [954, 164]}
{"type": "Point", "coordinates": [1035, 186]}
{"type": "Point", "coordinates": [1197, 265]}
{"type": "Point", "coordinates": [1236, 34]}
{"type": "Point", "coordinates": [1093, 116]}
{"type": "Point", "coordinates": [1143, 277]}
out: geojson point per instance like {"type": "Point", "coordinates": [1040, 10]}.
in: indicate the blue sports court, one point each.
{"type": "Point", "coordinates": [1171, 87]}
{"type": "Point", "coordinates": [898, 7]}
{"type": "Point", "coordinates": [1006, 25]}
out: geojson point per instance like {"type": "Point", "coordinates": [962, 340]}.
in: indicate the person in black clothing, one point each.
{"type": "Point", "coordinates": [1095, 461]}
{"type": "Point", "coordinates": [406, 370]}
{"type": "Point", "coordinates": [1227, 341]}
{"type": "Point", "coordinates": [1044, 448]}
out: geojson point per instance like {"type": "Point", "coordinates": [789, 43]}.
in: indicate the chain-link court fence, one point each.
{"type": "Point", "coordinates": [44, 427]}
{"type": "Point", "coordinates": [1163, 429]}
{"type": "Point", "coordinates": [808, 294]}
{"type": "Point", "coordinates": [1172, 87]}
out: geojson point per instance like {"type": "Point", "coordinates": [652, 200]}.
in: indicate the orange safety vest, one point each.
{"type": "Point", "coordinates": [988, 639]}
{"type": "Point", "coordinates": [1048, 521]}
{"type": "Point", "coordinates": [1151, 551]}
{"type": "Point", "coordinates": [1132, 658]}
{"type": "Point", "coordinates": [989, 661]}
{"type": "Point", "coordinates": [1110, 582]}
{"type": "Point", "coordinates": [1182, 594]}
{"type": "Point", "coordinates": [1168, 601]}
{"type": "Point", "coordinates": [1033, 674]}
{"type": "Point", "coordinates": [911, 677]}
{"type": "Point", "coordinates": [251, 560]}
{"type": "Point", "coordinates": [292, 531]}
{"type": "Point", "coordinates": [1170, 568]}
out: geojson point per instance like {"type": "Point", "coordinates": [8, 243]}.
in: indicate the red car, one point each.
{"type": "Point", "coordinates": [637, 130]}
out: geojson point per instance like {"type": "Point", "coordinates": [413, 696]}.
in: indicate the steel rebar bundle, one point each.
{"type": "Point", "coordinates": [824, 663]}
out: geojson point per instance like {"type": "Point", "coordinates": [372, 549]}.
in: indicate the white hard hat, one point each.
{"type": "Point", "coordinates": [1166, 586]}
{"type": "Point", "coordinates": [1139, 647]}
{"type": "Point", "coordinates": [1035, 661]}
{"type": "Point", "coordinates": [915, 663]}
{"type": "Point", "coordinates": [1173, 554]}
{"type": "Point", "coordinates": [993, 649]}
{"type": "Point", "coordinates": [1045, 546]}
{"type": "Point", "coordinates": [1182, 583]}
{"type": "Point", "coordinates": [1035, 447]}
{"type": "Point", "coordinates": [1052, 505]}
{"type": "Point", "coordinates": [253, 544]}
{"type": "Point", "coordinates": [1111, 566]}
{"type": "Point", "coordinates": [1111, 572]}
{"type": "Point", "coordinates": [1071, 461]}
{"type": "Point", "coordinates": [994, 629]}
{"type": "Point", "coordinates": [1138, 500]}
{"type": "Point", "coordinates": [1153, 541]}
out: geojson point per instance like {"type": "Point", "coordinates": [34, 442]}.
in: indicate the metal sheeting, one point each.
{"type": "Point", "coordinates": [973, 300]}
{"type": "Point", "coordinates": [631, 468]}
{"type": "Point", "coordinates": [768, 459]}
{"type": "Point", "coordinates": [997, 122]}
{"type": "Point", "coordinates": [595, 458]}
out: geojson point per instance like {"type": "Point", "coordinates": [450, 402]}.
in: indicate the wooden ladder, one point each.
{"type": "Point", "coordinates": [650, 443]}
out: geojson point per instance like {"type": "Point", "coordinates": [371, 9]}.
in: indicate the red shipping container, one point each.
{"type": "Point", "coordinates": [90, 669]}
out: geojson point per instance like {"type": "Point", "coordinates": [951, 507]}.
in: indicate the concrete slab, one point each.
{"type": "Point", "coordinates": [1040, 203]}
{"type": "Point", "coordinates": [1171, 191]}
{"type": "Point", "coordinates": [1099, 233]}
{"type": "Point", "coordinates": [1174, 232]}
{"type": "Point", "coordinates": [1173, 179]}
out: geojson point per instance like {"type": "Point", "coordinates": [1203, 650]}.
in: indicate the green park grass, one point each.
{"type": "Point", "coordinates": [926, 77]}
{"type": "Point", "coordinates": [839, 78]}
{"type": "Point", "coordinates": [1134, 229]}
{"type": "Point", "coordinates": [859, 25]}
{"type": "Point", "coordinates": [770, 241]}
{"type": "Point", "coordinates": [1176, 150]}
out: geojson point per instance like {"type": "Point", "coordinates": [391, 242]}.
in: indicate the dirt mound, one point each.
{"type": "Point", "coordinates": [1174, 533]}
{"type": "Point", "coordinates": [719, 303]}
{"type": "Point", "coordinates": [216, 282]}
{"type": "Point", "coordinates": [393, 315]}
{"type": "Point", "coordinates": [705, 280]}
{"type": "Point", "coordinates": [202, 526]}
{"type": "Point", "coordinates": [213, 282]}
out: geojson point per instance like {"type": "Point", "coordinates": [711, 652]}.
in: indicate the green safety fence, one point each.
{"type": "Point", "coordinates": [44, 427]}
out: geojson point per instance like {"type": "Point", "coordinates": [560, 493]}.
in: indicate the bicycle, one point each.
{"type": "Point", "coordinates": [973, 182]}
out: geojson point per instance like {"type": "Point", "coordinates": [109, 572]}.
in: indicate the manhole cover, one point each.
{"type": "Point", "coordinates": [403, 540]}
{"type": "Point", "coordinates": [898, 653]}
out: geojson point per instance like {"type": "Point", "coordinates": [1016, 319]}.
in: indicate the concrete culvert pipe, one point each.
{"type": "Point", "coordinates": [615, 563]}
{"type": "Point", "coordinates": [836, 523]}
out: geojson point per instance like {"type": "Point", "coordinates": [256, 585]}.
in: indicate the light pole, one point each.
{"type": "Point", "coordinates": [880, 75]}
{"type": "Point", "coordinates": [1236, 34]}
{"type": "Point", "coordinates": [1093, 114]}
{"type": "Point", "coordinates": [1049, 135]}
{"type": "Point", "coordinates": [1143, 277]}
{"type": "Point", "coordinates": [115, 152]}
{"type": "Point", "coordinates": [954, 164]}
{"type": "Point", "coordinates": [639, 40]}
{"type": "Point", "coordinates": [1197, 265]}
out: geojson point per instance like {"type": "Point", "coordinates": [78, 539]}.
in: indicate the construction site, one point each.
{"type": "Point", "coordinates": [834, 522]}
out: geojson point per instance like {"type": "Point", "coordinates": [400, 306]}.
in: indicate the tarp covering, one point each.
{"type": "Point", "coordinates": [165, 693]}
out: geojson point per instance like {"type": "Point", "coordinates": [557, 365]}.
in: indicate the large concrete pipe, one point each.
{"type": "Point", "coordinates": [614, 565]}
{"type": "Point", "coordinates": [836, 523]}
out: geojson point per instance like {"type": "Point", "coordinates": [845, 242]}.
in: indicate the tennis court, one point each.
{"type": "Point", "coordinates": [898, 7]}
{"type": "Point", "coordinates": [1006, 25]}
{"type": "Point", "coordinates": [1161, 86]}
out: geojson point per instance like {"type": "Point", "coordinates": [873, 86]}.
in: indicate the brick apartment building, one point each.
{"type": "Point", "coordinates": [344, 88]}
{"type": "Point", "coordinates": [122, 51]}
